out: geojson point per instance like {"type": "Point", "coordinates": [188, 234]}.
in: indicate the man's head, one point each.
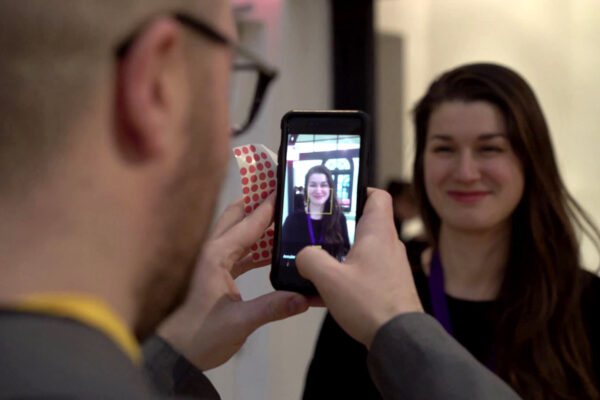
{"type": "Point", "coordinates": [140, 139]}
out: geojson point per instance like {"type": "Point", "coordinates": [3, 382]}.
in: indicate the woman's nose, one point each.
{"type": "Point", "coordinates": [467, 169]}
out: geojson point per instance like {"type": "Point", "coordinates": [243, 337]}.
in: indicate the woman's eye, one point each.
{"type": "Point", "coordinates": [491, 149]}
{"type": "Point", "coordinates": [442, 149]}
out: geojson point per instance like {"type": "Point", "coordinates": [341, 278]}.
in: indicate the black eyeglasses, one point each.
{"type": "Point", "coordinates": [251, 75]}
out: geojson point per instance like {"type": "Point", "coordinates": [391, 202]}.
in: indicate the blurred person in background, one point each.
{"type": "Point", "coordinates": [407, 220]}
{"type": "Point", "coordinates": [404, 203]}
{"type": "Point", "coordinates": [503, 274]}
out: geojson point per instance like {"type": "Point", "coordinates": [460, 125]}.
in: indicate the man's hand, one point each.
{"type": "Point", "coordinates": [214, 321]}
{"type": "Point", "coordinates": [374, 283]}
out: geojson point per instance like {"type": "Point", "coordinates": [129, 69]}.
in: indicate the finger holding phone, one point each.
{"type": "Point", "coordinates": [214, 321]}
{"type": "Point", "coordinates": [374, 283]}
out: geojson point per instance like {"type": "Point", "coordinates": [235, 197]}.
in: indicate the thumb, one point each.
{"type": "Point", "coordinates": [272, 307]}
{"type": "Point", "coordinates": [316, 265]}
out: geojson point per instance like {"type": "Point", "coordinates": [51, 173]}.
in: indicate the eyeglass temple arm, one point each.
{"type": "Point", "coordinates": [261, 90]}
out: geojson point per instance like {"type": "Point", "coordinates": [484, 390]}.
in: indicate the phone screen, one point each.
{"type": "Point", "coordinates": [320, 194]}
{"type": "Point", "coordinates": [321, 189]}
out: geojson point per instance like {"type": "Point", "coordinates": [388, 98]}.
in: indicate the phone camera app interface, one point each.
{"type": "Point", "coordinates": [319, 195]}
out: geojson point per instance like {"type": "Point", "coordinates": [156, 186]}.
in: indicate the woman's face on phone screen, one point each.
{"type": "Point", "coordinates": [318, 189]}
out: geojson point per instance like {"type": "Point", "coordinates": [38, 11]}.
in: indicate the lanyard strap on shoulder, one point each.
{"type": "Point", "coordinates": [439, 303]}
{"type": "Point", "coordinates": [312, 232]}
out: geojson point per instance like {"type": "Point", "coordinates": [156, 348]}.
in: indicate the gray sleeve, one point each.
{"type": "Point", "coordinates": [412, 357]}
{"type": "Point", "coordinates": [172, 374]}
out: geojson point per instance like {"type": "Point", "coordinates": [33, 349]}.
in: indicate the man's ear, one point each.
{"type": "Point", "coordinates": [152, 94]}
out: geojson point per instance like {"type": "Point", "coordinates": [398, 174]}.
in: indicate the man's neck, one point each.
{"type": "Point", "coordinates": [50, 245]}
{"type": "Point", "coordinates": [474, 262]}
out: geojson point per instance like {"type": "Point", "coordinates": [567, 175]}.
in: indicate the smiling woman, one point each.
{"type": "Point", "coordinates": [503, 274]}
{"type": "Point", "coordinates": [473, 178]}
{"type": "Point", "coordinates": [502, 224]}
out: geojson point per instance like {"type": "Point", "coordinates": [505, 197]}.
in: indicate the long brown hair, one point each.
{"type": "Point", "coordinates": [543, 349]}
{"type": "Point", "coordinates": [333, 240]}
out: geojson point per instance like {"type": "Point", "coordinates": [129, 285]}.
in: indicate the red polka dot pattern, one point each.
{"type": "Point", "coordinates": [257, 175]}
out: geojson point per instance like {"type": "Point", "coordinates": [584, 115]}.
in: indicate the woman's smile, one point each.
{"type": "Point", "coordinates": [318, 189]}
{"type": "Point", "coordinates": [469, 197]}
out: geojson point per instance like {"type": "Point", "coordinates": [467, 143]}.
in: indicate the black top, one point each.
{"type": "Point", "coordinates": [339, 365]}
{"type": "Point", "coordinates": [296, 235]}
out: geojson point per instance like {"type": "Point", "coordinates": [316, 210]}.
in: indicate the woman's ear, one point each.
{"type": "Point", "coordinates": [152, 91]}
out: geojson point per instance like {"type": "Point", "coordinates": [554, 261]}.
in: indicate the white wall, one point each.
{"type": "Point", "coordinates": [294, 35]}
{"type": "Point", "coordinates": [554, 44]}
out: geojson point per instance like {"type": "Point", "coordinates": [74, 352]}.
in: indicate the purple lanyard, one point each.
{"type": "Point", "coordinates": [439, 303]}
{"type": "Point", "coordinates": [312, 232]}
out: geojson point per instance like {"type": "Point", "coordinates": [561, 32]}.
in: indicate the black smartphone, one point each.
{"type": "Point", "coordinates": [321, 188]}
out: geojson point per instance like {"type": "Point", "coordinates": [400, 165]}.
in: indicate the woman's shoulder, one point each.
{"type": "Point", "coordinates": [420, 271]}
{"type": "Point", "coordinates": [419, 253]}
{"type": "Point", "coordinates": [295, 218]}
{"type": "Point", "coordinates": [590, 302]}
{"type": "Point", "coordinates": [590, 289]}
{"type": "Point", "coordinates": [297, 215]}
